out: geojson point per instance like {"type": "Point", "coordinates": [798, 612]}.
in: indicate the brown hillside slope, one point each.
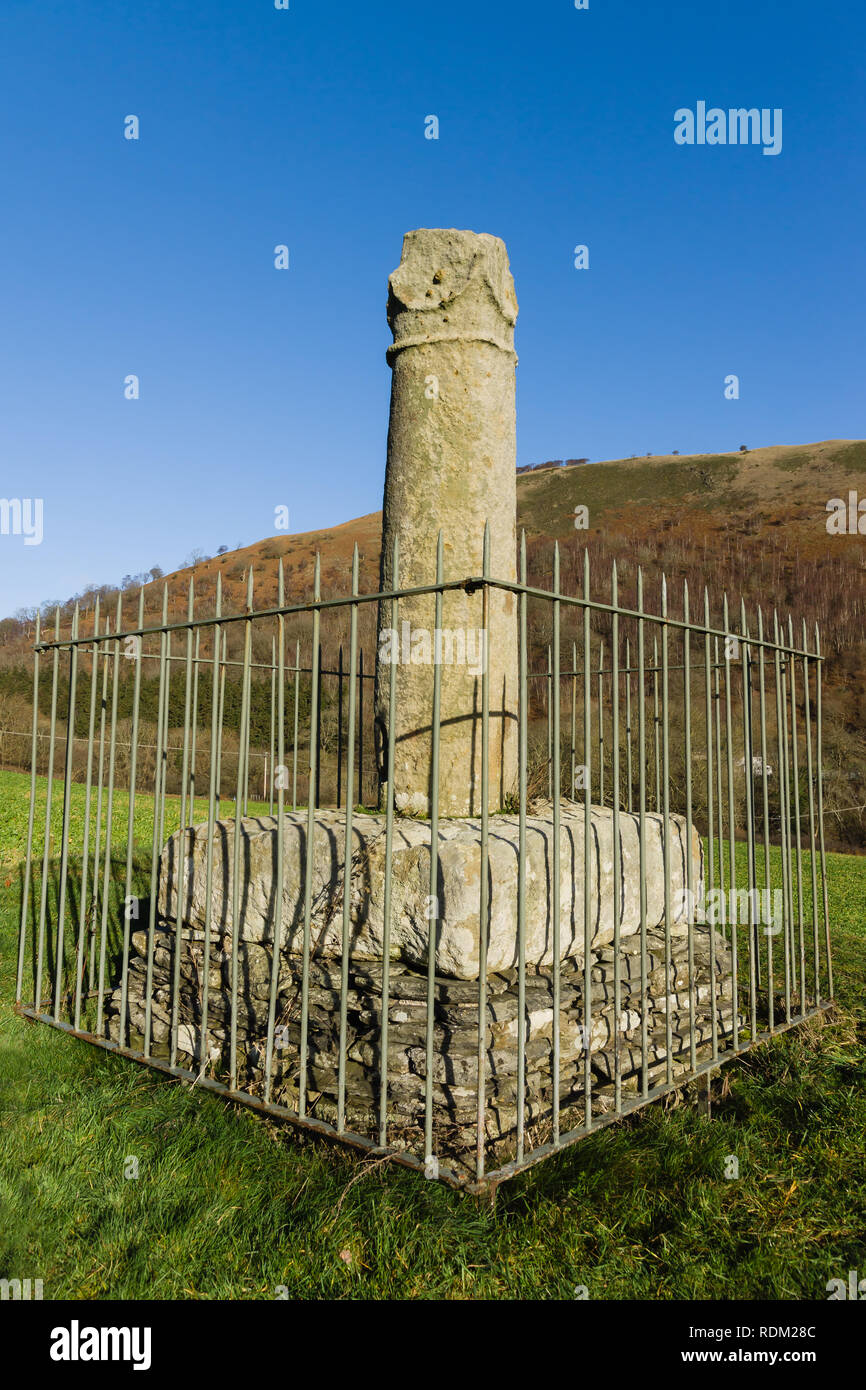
{"type": "Point", "coordinates": [753, 525]}
{"type": "Point", "coordinates": [659, 508]}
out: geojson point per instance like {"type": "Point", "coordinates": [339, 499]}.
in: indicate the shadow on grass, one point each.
{"type": "Point", "coordinates": [91, 947]}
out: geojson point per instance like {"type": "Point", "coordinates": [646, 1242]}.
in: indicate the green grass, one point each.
{"type": "Point", "coordinates": [793, 463]}
{"type": "Point", "coordinates": [702, 479]}
{"type": "Point", "coordinates": [852, 456]}
{"type": "Point", "coordinates": [15, 801]}
{"type": "Point", "coordinates": [227, 1205]}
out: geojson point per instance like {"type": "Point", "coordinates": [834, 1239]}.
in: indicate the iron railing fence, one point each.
{"type": "Point", "coordinates": [260, 758]}
{"type": "Point", "coordinates": [145, 930]}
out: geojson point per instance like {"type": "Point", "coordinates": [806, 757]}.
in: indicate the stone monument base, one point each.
{"type": "Point", "coordinates": [669, 995]}
{"type": "Point", "coordinates": [691, 1004]}
{"type": "Point", "coordinates": [184, 889]}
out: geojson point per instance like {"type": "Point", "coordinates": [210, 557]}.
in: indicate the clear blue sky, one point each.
{"type": "Point", "coordinates": [306, 127]}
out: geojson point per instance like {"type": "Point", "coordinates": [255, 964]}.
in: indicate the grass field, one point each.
{"type": "Point", "coordinates": [226, 1205]}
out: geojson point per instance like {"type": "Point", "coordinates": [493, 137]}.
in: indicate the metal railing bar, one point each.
{"type": "Point", "coordinates": [155, 846]}
{"type": "Point", "coordinates": [85, 849]}
{"type": "Point", "coordinates": [109, 818]}
{"type": "Point", "coordinates": [130, 839]}
{"type": "Point", "coordinates": [213, 792]}
{"type": "Point", "coordinates": [389, 851]}
{"type": "Point", "coordinates": [308, 867]}
{"type": "Point", "coordinates": [687, 754]}
{"type": "Point", "coordinates": [732, 820]}
{"type": "Point", "coordinates": [556, 884]}
{"type": "Point", "coordinates": [431, 1160]}
{"type": "Point", "coordinates": [765, 780]}
{"type": "Point", "coordinates": [103, 713]}
{"type": "Point", "coordinates": [59, 959]}
{"type": "Point", "coordinates": [279, 653]}
{"type": "Point", "coordinates": [469, 584]}
{"type": "Point", "coordinates": [824, 893]}
{"type": "Point", "coordinates": [816, 985]}
{"type": "Point", "coordinates": [641, 734]}
{"type": "Point", "coordinates": [748, 781]}
{"type": "Point", "coordinates": [783, 808]}
{"type": "Point", "coordinates": [708, 715]}
{"type": "Point", "coordinates": [484, 861]}
{"type": "Point", "coordinates": [347, 856]}
{"type": "Point", "coordinates": [182, 832]}
{"type": "Point", "coordinates": [25, 895]}
{"type": "Point", "coordinates": [618, 886]}
{"type": "Point", "coordinates": [798, 828]}
{"type": "Point", "coordinates": [587, 854]}
{"type": "Point", "coordinates": [236, 840]}
{"type": "Point", "coordinates": [666, 813]}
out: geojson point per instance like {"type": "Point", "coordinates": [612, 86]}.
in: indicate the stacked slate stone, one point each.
{"type": "Point", "coordinates": [674, 997]}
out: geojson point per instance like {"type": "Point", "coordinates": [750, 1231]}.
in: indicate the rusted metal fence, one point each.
{"type": "Point", "coordinates": [634, 720]}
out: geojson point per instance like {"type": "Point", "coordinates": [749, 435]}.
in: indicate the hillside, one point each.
{"type": "Point", "coordinates": [710, 502]}
{"type": "Point", "coordinates": [753, 524]}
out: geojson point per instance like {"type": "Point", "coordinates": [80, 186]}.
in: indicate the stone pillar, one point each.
{"type": "Point", "coordinates": [451, 467]}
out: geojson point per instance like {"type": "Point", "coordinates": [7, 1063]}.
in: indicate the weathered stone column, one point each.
{"type": "Point", "coordinates": [451, 466]}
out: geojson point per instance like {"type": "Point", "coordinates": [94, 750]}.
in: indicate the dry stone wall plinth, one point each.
{"type": "Point", "coordinates": [687, 998]}
{"type": "Point", "coordinates": [691, 999]}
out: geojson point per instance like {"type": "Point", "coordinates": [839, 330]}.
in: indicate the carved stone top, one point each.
{"type": "Point", "coordinates": [451, 286]}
